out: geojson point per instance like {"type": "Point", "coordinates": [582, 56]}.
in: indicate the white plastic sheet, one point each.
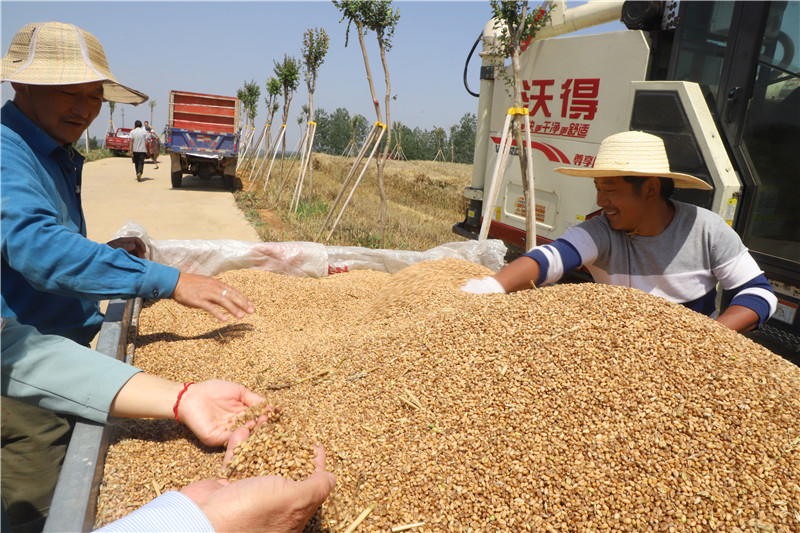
{"type": "Point", "coordinates": [302, 259]}
{"type": "Point", "coordinates": [489, 253]}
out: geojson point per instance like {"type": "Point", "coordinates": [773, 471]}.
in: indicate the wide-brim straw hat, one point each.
{"type": "Point", "coordinates": [634, 153]}
{"type": "Point", "coordinates": [55, 53]}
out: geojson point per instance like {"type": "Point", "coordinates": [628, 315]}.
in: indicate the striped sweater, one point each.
{"type": "Point", "coordinates": [683, 263]}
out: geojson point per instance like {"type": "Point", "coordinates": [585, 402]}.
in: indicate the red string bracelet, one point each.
{"type": "Point", "coordinates": [180, 395]}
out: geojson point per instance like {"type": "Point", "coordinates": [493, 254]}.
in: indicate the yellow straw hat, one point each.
{"type": "Point", "coordinates": [54, 53]}
{"type": "Point", "coordinates": [634, 153]}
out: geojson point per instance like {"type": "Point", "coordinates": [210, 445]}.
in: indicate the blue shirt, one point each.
{"type": "Point", "coordinates": [53, 276]}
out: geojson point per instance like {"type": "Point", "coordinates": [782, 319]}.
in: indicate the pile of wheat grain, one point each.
{"type": "Point", "coordinates": [575, 407]}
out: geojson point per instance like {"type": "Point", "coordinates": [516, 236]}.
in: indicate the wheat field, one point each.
{"type": "Point", "coordinates": [424, 200]}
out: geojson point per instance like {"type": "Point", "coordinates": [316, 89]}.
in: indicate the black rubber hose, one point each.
{"type": "Point", "coordinates": [466, 85]}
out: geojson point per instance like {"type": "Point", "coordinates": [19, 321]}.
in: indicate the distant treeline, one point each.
{"type": "Point", "coordinates": [336, 130]}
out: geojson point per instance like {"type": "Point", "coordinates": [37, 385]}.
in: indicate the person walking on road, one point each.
{"type": "Point", "coordinates": [153, 145]}
{"type": "Point", "coordinates": [137, 147]}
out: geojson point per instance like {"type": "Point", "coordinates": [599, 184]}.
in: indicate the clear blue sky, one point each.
{"type": "Point", "coordinates": [214, 47]}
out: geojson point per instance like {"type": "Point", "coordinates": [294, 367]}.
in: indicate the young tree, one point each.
{"type": "Point", "coordinates": [419, 144]}
{"type": "Point", "coordinates": [288, 74]}
{"type": "Point", "coordinates": [379, 17]}
{"type": "Point", "coordinates": [397, 150]}
{"type": "Point", "coordinates": [273, 87]}
{"type": "Point", "coordinates": [111, 107]}
{"type": "Point", "coordinates": [248, 96]}
{"type": "Point", "coordinates": [518, 28]}
{"type": "Point", "coordinates": [153, 104]}
{"type": "Point", "coordinates": [315, 46]}
{"type": "Point", "coordinates": [305, 114]}
{"type": "Point", "coordinates": [273, 90]}
{"type": "Point", "coordinates": [452, 143]}
{"type": "Point", "coordinates": [439, 134]}
{"type": "Point", "coordinates": [335, 131]}
{"type": "Point", "coordinates": [358, 130]}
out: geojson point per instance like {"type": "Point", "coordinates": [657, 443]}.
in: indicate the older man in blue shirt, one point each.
{"type": "Point", "coordinates": [53, 277]}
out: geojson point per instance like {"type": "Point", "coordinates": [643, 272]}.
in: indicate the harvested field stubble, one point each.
{"type": "Point", "coordinates": [576, 407]}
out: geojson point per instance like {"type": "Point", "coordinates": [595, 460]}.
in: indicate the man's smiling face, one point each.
{"type": "Point", "coordinates": [62, 111]}
{"type": "Point", "coordinates": [622, 205]}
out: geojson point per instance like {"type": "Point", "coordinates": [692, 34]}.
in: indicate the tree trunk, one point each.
{"type": "Point", "coordinates": [369, 72]}
{"type": "Point", "coordinates": [311, 89]}
{"type": "Point", "coordinates": [386, 148]}
{"type": "Point", "coordinates": [287, 99]}
{"type": "Point", "coordinates": [381, 160]}
{"type": "Point", "coordinates": [517, 125]}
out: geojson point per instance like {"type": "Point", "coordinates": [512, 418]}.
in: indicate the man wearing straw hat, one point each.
{"type": "Point", "coordinates": [645, 240]}
{"type": "Point", "coordinates": [52, 276]}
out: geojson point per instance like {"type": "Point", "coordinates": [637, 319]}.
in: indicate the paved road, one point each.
{"type": "Point", "coordinates": [198, 210]}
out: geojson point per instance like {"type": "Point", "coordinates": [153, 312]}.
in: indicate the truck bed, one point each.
{"type": "Point", "coordinates": [203, 112]}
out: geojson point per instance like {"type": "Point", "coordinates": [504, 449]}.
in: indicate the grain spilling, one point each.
{"type": "Point", "coordinates": [577, 407]}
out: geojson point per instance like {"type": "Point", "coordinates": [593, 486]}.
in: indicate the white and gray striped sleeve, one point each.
{"type": "Point", "coordinates": [172, 512]}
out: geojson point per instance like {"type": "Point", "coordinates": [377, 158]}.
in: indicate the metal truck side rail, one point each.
{"type": "Point", "coordinates": [75, 501]}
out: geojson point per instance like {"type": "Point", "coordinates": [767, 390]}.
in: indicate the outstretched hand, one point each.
{"type": "Point", "coordinates": [210, 408]}
{"type": "Point", "coordinates": [263, 503]}
{"type": "Point", "coordinates": [204, 292]}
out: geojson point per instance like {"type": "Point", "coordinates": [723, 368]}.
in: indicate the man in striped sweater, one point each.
{"type": "Point", "coordinates": [647, 241]}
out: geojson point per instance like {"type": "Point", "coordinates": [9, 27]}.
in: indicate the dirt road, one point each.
{"type": "Point", "coordinates": [198, 210]}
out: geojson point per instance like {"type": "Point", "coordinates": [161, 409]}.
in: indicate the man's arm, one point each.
{"type": "Point", "coordinates": [47, 247]}
{"type": "Point", "coordinates": [37, 243]}
{"type": "Point", "coordinates": [542, 265]}
{"type": "Point", "coordinates": [740, 275]}
{"type": "Point", "coordinates": [262, 503]}
{"type": "Point", "coordinates": [55, 373]}
{"type": "Point", "coordinates": [751, 305]}
{"type": "Point", "coordinates": [739, 318]}
{"type": "Point", "coordinates": [546, 264]}
{"type": "Point", "coordinates": [172, 512]}
{"type": "Point", "coordinates": [520, 274]}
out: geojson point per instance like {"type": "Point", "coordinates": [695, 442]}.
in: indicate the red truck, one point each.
{"type": "Point", "coordinates": [117, 142]}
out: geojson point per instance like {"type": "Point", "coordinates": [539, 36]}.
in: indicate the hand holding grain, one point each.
{"type": "Point", "coordinates": [263, 503]}
{"type": "Point", "coordinates": [209, 408]}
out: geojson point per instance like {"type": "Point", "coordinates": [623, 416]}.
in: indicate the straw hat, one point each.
{"type": "Point", "coordinates": [634, 153]}
{"type": "Point", "coordinates": [54, 53]}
